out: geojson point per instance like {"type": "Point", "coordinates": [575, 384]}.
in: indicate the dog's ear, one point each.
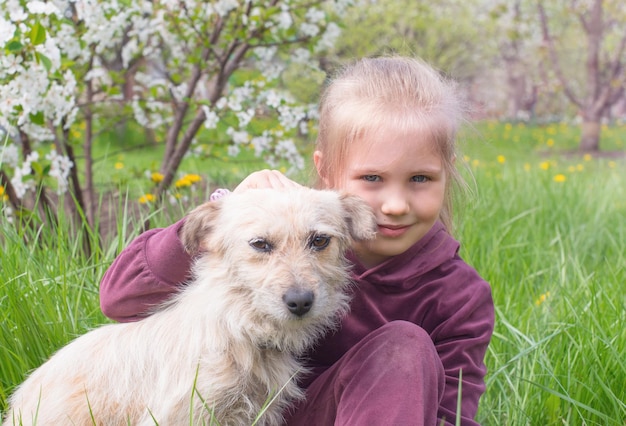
{"type": "Point", "coordinates": [198, 224]}
{"type": "Point", "coordinates": [359, 217]}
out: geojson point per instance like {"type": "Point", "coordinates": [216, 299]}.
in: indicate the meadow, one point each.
{"type": "Point", "coordinates": [545, 227]}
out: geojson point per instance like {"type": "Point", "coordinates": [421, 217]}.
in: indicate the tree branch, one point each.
{"type": "Point", "coordinates": [547, 38]}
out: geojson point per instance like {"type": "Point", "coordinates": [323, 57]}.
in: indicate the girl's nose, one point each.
{"type": "Point", "coordinates": [395, 204]}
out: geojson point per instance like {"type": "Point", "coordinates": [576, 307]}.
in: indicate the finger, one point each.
{"type": "Point", "coordinates": [266, 179]}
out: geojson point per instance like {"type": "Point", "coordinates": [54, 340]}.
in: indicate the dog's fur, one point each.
{"type": "Point", "coordinates": [227, 342]}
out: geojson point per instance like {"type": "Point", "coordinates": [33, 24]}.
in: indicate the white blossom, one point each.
{"type": "Point", "coordinates": [7, 29]}
{"type": "Point", "coordinates": [211, 120]}
{"type": "Point", "coordinates": [273, 99]}
{"type": "Point", "coordinates": [9, 155]}
{"type": "Point", "coordinates": [289, 117]}
{"type": "Point", "coordinates": [309, 30]}
{"type": "Point", "coordinates": [315, 15]}
{"type": "Point", "coordinates": [301, 56]}
{"type": "Point", "coordinates": [43, 8]}
{"type": "Point", "coordinates": [238, 137]}
{"type": "Point", "coordinates": [60, 167]}
{"type": "Point", "coordinates": [329, 38]}
{"type": "Point", "coordinates": [244, 117]}
{"type": "Point", "coordinates": [16, 11]}
{"type": "Point", "coordinates": [284, 20]}
{"type": "Point", "coordinates": [222, 7]}
{"type": "Point", "coordinates": [10, 64]}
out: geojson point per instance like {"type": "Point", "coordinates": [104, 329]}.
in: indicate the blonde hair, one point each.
{"type": "Point", "coordinates": [375, 93]}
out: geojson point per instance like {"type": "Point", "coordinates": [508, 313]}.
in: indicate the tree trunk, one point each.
{"type": "Point", "coordinates": [590, 136]}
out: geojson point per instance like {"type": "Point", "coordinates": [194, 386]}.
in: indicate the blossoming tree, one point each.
{"type": "Point", "coordinates": [171, 65]}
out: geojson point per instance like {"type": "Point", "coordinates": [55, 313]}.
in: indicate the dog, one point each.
{"type": "Point", "coordinates": [269, 279]}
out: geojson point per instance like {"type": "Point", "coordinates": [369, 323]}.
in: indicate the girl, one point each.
{"type": "Point", "coordinates": [421, 318]}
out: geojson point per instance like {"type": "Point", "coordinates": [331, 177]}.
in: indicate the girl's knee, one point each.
{"type": "Point", "coordinates": [403, 347]}
{"type": "Point", "coordinates": [404, 336]}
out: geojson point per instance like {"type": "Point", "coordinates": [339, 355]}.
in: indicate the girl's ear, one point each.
{"type": "Point", "coordinates": [317, 160]}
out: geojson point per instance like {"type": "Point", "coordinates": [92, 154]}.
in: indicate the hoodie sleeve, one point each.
{"type": "Point", "coordinates": [461, 341]}
{"type": "Point", "coordinates": [144, 274]}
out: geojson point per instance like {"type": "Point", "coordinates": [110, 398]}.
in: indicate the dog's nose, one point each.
{"type": "Point", "coordinates": [298, 301]}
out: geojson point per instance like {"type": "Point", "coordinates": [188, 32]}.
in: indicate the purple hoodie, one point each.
{"type": "Point", "coordinates": [429, 285]}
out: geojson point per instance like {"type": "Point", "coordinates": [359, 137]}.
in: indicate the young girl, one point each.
{"type": "Point", "coordinates": [421, 318]}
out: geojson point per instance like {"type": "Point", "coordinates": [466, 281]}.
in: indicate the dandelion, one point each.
{"type": "Point", "coordinates": [587, 157]}
{"type": "Point", "coordinates": [187, 180]}
{"type": "Point", "coordinates": [3, 195]}
{"type": "Point", "coordinates": [119, 165]}
{"type": "Point", "coordinates": [580, 167]}
{"type": "Point", "coordinates": [544, 165]}
{"type": "Point", "coordinates": [147, 198]}
{"type": "Point", "coordinates": [193, 178]}
{"type": "Point", "coordinates": [541, 299]}
{"type": "Point", "coordinates": [612, 164]}
{"type": "Point", "coordinates": [182, 182]}
{"type": "Point", "coordinates": [475, 163]}
{"type": "Point", "coordinates": [501, 159]}
{"type": "Point", "coordinates": [156, 177]}
{"type": "Point", "coordinates": [527, 167]}
{"type": "Point", "coordinates": [560, 178]}
{"type": "Point", "coordinates": [550, 142]}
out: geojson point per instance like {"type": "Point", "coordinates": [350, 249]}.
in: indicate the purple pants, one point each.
{"type": "Point", "coordinates": [391, 377]}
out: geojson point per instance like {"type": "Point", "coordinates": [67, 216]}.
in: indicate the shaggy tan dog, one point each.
{"type": "Point", "coordinates": [270, 279]}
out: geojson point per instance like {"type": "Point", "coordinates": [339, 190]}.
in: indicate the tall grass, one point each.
{"type": "Point", "coordinates": [548, 231]}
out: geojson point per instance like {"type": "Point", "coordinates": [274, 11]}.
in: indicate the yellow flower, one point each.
{"type": "Point", "coordinates": [119, 165]}
{"type": "Point", "coordinates": [560, 178]}
{"type": "Point", "coordinates": [182, 182]}
{"type": "Point", "coordinates": [587, 157]}
{"type": "Point", "coordinates": [156, 177]}
{"type": "Point", "coordinates": [3, 195]}
{"type": "Point", "coordinates": [550, 142]}
{"type": "Point", "coordinates": [187, 180]}
{"type": "Point", "coordinates": [545, 165]}
{"type": "Point", "coordinates": [612, 164]}
{"type": "Point", "coordinates": [542, 298]}
{"type": "Point", "coordinates": [148, 198]}
{"type": "Point", "coordinates": [501, 159]}
{"type": "Point", "coordinates": [193, 178]}
{"type": "Point", "coordinates": [580, 167]}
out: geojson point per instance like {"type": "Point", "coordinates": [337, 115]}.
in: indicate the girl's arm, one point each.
{"type": "Point", "coordinates": [145, 274]}
{"type": "Point", "coordinates": [462, 343]}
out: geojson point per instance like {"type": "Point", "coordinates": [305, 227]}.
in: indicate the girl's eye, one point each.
{"type": "Point", "coordinates": [371, 178]}
{"type": "Point", "coordinates": [261, 245]}
{"type": "Point", "coordinates": [419, 178]}
{"type": "Point", "coordinates": [319, 242]}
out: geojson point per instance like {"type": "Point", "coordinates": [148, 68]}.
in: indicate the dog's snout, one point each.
{"type": "Point", "coordinates": [298, 301]}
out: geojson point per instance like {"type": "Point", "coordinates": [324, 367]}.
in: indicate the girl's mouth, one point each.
{"type": "Point", "coordinates": [392, 231]}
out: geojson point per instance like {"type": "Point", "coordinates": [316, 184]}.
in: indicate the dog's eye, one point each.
{"type": "Point", "coordinates": [261, 245]}
{"type": "Point", "coordinates": [319, 242]}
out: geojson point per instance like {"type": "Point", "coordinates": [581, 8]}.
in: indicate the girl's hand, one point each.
{"type": "Point", "coordinates": [266, 179]}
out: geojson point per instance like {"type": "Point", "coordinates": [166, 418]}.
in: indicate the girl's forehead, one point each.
{"type": "Point", "coordinates": [392, 143]}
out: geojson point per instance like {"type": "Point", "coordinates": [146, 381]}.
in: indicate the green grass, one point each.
{"type": "Point", "coordinates": [554, 250]}
{"type": "Point", "coordinates": [547, 230]}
